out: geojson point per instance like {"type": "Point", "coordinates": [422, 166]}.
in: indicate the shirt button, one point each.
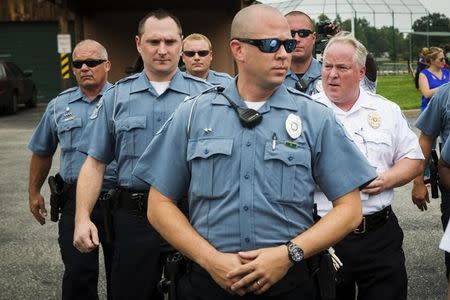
{"type": "Point", "coordinates": [246, 176]}
{"type": "Point", "coordinates": [247, 240]}
{"type": "Point", "coordinates": [159, 119]}
{"type": "Point", "coordinates": [249, 144]}
{"type": "Point", "coordinates": [245, 208]}
{"type": "Point", "coordinates": [290, 158]}
{"type": "Point", "coordinates": [206, 151]}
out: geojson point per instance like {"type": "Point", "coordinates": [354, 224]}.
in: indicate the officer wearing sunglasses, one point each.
{"type": "Point", "coordinates": [197, 57]}
{"type": "Point", "coordinates": [131, 114]}
{"type": "Point", "coordinates": [63, 124]}
{"type": "Point", "coordinates": [248, 157]}
{"type": "Point", "coordinates": [305, 71]}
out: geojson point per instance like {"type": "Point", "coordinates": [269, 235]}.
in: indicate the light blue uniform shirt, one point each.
{"type": "Point", "coordinates": [435, 119]}
{"type": "Point", "coordinates": [245, 192]}
{"type": "Point", "coordinates": [445, 153]}
{"type": "Point", "coordinates": [63, 123]}
{"type": "Point", "coordinates": [313, 74]}
{"type": "Point", "coordinates": [131, 114]}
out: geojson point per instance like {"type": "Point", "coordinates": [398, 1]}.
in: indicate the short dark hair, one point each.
{"type": "Point", "coordinates": [158, 14]}
{"type": "Point", "coordinates": [300, 13]}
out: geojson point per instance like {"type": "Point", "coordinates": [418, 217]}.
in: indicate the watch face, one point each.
{"type": "Point", "coordinates": [295, 253]}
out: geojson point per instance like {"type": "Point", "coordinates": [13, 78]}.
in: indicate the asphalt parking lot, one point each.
{"type": "Point", "coordinates": [30, 263]}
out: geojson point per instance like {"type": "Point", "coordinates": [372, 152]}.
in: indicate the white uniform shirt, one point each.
{"type": "Point", "coordinates": [445, 241]}
{"type": "Point", "coordinates": [382, 134]}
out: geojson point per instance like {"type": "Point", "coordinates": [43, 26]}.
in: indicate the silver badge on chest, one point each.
{"type": "Point", "coordinates": [294, 126]}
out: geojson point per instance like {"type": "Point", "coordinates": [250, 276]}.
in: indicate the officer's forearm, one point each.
{"type": "Point", "coordinates": [39, 169]}
{"type": "Point", "coordinates": [175, 228]}
{"type": "Point", "coordinates": [426, 144]}
{"type": "Point", "coordinates": [345, 216]}
{"type": "Point", "coordinates": [89, 186]}
{"type": "Point", "coordinates": [403, 172]}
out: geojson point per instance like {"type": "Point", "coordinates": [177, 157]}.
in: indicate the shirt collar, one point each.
{"type": "Point", "coordinates": [314, 71]}
{"type": "Point", "coordinates": [177, 83]}
{"type": "Point", "coordinates": [79, 95]}
{"type": "Point", "coordinates": [364, 101]}
{"type": "Point", "coordinates": [281, 98]}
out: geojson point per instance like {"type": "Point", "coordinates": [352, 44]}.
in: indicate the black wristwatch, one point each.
{"type": "Point", "coordinates": [296, 254]}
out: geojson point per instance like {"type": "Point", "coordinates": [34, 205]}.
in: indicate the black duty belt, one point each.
{"type": "Point", "coordinates": [134, 201]}
{"type": "Point", "coordinates": [373, 221]}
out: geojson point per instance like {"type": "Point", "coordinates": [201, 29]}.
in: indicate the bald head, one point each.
{"type": "Point", "coordinates": [91, 44]}
{"type": "Point", "coordinates": [247, 21]}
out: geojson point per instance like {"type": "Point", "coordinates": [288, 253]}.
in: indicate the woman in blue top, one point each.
{"type": "Point", "coordinates": [435, 75]}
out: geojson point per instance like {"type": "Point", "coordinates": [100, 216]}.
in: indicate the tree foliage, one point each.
{"type": "Point", "coordinates": [390, 41]}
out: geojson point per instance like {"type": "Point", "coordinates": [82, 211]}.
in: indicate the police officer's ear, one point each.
{"type": "Point", "coordinates": [237, 50]}
{"type": "Point", "coordinates": [107, 65]}
{"type": "Point", "coordinates": [137, 39]}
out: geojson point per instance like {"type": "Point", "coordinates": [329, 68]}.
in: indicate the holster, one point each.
{"type": "Point", "coordinates": [324, 274]}
{"type": "Point", "coordinates": [174, 268]}
{"type": "Point", "coordinates": [434, 175]}
{"type": "Point", "coordinates": [56, 185]}
{"type": "Point", "coordinates": [107, 202]}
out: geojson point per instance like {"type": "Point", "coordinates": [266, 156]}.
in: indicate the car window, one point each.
{"type": "Point", "coordinates": [16, 72]}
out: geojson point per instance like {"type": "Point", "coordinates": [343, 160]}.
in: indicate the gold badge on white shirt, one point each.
{"type": "Point", "coordinates": [374, 119]}
{"type": "Point", "coordinates": [294, 126]}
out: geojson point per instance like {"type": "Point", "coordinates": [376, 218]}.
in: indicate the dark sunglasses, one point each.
{"type": "Point", "coordinates": [270, 45]}
{"type": "Point", "coordinates": [301, 33]}
{"type": "Point", "coordinates": [441, 59]}
{"type": "Point", "coordinates": [77, 64]}
{"type": "Point", "coordinates": [201, 53]}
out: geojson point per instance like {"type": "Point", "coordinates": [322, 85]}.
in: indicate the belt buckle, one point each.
{"type": "Point", "coordinates": [360, 230]}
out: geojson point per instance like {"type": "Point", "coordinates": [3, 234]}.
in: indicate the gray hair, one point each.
{"type": "Point", "coordinates": [100, 48]}
{"type": "Point", "coordinates": [344, 37]}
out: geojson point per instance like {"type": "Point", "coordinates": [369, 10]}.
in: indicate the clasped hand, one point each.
{"type": "Point", "coordinates": [252, 271]}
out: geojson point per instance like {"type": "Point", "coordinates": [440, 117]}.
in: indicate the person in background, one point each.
{"type": "Point", "coordinates": [197, 57]}
{"type": "Point", "coordinates": [63, 124]}
{"type": "Point", "coordinates": [132, 112]}
{"type": "Point", "coordinates": [305, 70]}
{"type": "Point", "coordinates": [372, 255]}
{"type": "Point", "coordinates": [444, 180]}
{"type": "Point", "coordinates": [432, 77]}
{"type": "Point", "coordinates": [434, 122]}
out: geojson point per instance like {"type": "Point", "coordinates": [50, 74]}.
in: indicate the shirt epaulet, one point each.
{"type": "Point", "coordinates": [208, 90]}
{"type": "Point", "coordinates": [120, 81]}
{"type": "Point", "coordinates": [69, 90]}
{"type": "Point", "coordinates": [221, 74]}
{"type": "Point", "coordinates": [195, 78]}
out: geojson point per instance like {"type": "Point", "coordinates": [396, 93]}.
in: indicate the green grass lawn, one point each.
{"type": "Point", "coordinates": [400, 89]}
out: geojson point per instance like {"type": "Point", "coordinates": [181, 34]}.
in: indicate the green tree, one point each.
{"type": "Point", "coordinates": [432, 23]}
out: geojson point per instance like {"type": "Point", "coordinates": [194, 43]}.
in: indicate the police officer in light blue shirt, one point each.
{"type": "Point", "coordinates": [249, 174]}
{"type": "Point", "coordinates": [63, 124]}
{"type": "Point", "coordinates": [433, 122]}
{"type": "Point", "coordinates": [197, 57]}
{"type": "Point", "coordinates": [130, 114]}
{"type": "Point", "coordinates": [305, 71]}
{"type": "Point", "coordinates": [444, 166]}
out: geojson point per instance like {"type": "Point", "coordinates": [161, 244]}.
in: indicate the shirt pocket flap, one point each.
{"type": "Point", "coordinates": [290, 156]}
{"type": "Point", "coordinates": [379, 138]}
{"type": "Point", "coordinates": [131, 123]}
{"type": "Point", "coordinates": [69, 125]}
{"type": "Point", "coordinates": [207, 147]}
